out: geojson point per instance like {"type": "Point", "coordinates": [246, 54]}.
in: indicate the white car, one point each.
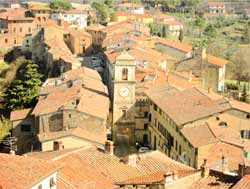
{"type": "Point", "coordinates": [143, 149]}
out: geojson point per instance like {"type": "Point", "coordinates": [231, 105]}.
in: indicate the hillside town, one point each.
{"type": "Point", "coordinates": [136, 94]}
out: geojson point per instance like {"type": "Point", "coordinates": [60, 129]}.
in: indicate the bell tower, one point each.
{"type": "Point", "coordinates": [124, 99]}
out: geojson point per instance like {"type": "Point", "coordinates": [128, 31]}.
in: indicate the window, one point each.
{"type": "Point", "coordinates": [124, 74]}
{"type": "Point", "coordinates": [245, 134]}
{"type": "Point", "coordinates": [248, 116]}
{"type": "Point", "coordinates": [69, 115]}
{"type": "Point", "coordinates": [52, 183]}
{"type": "Point", "coordinates": [21, 29]}
{"type": "Point", "coordinates": [6, 40]}
{"type": "Point", "coordinates": [124, 113]}
{"type": "Point", "coordinates": [155, 107]}
{"type": "Point", "coordinates": [25, 128]}
{"type": "Point", "coordinates": [44, 19]}
{"type": "Point", "coordinates": [176, 145]}
{"type": "Point", "coordinates": [40, 187]}
{"type": "Point", "coordinates": [145, 114]}
{"type": "Point", "coordinates": [14, 41]}
{"type": "Point", "coordinates": [29, 30]}
{"type": "Point", "coordinates": [179, 149]}
{"type": "Point", "coordinates": [14, 30]}
{"type": "Point", "coordinates": [149, 118]}
{"type": "Point", "coordinates": [145, 126]}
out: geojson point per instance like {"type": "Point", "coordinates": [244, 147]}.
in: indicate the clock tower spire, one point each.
{"type": "Point", "coordinates": [124, 99]}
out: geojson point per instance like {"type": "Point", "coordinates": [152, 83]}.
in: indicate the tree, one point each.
{"type": "Point", "coordinates": [210, 31]}
{"type": "Point", "coordinates": [23, 90]}
{"type": "Point", "coordinates": [164, 31]}
{"type": "Point", "coordinates": [246, 36]}
{"type": "Point", "coordinates": [103, 12]}
{"type": "Point", "coordinates": [90, 20]}
{"type": "Point", "coordinates": [60, 4]}
{"type": "Point", "coordinates": [245, 95]}
{"type": "Point", "coordinates": [200, 23]}
{"type": "Point", "coordinates": [109, 3]}
{"type": "Point", "coordinates": [154, 30]}
{"type": "Point", "coordinates": [181, 36]}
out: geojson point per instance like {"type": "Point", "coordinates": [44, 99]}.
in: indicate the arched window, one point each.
{"type": "Point", "coordinates": [124, 74]}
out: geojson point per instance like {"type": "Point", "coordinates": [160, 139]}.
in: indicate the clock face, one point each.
{"type": "Point", "coordinates": [124, 91]}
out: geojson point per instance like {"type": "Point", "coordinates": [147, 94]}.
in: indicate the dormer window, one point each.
{"type": "Point", "coordinates": [124, 74]}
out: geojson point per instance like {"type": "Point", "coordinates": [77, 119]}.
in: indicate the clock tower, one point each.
{"type": "Point", "coordinates": [124, 99]}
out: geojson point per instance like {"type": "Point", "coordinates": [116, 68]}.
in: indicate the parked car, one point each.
{"type": "Point", "coordinates": [143, 149]}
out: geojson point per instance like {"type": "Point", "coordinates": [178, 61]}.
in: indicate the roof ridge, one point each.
{"type": "Point", "coordinates": [71, 152]}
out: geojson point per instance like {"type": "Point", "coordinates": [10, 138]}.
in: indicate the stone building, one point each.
{"type": "Point", "coordinates": [48, 46]}
{"type": "Point", "coordinates": [66, 111]}
{"type": "Point", "coordinates": [181, 126]}
{"type": "Point", "coordinates": [15, 25]}
{"type": "Point", "coordinates": [124, 98]}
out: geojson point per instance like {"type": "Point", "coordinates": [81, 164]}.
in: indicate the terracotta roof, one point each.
{"type": "Point", "coordinates": [200, 135]}
{"type": "Point", "coordinates": [216, 60]}
{"type": "Point", "coordinates": [157, 177]}
{"type": "Point", "coordinates": [130, 5]}
{"type": "Point", "coordinates": [172, 22]}
{"type": "Point", "coordinates": [216, 3]}
{"type": "Point", "coordinates": [215, 180]}
{"type": "Point", "coordinates": [23, 172]}
{"type": "Point", "coordinates": [101, 170]}
{"type": "Point", "coordinates": [244, 183]}
{"type": "Point", "coordinates": [163, 16]}
{"type": "Point", "coordinates": [89, 167]}
{"type": "Point", "coordinates": [16, 14]}
{"type": "Point", "coordinates": [177, 104]}
{"type": "Point", "coordinates": [156, 161]}
{"type": "Point", "coordinates": [20, 114]}
{"type": "Point", "coordinates": [177, 45]}
{"type": "Point", "coordinates": [238, 105]}
{"type": "Point", "coordinates": [95, 27]}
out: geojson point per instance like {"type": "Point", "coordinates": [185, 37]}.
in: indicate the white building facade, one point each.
{"type": "Point", "coordinates": [74, 17]}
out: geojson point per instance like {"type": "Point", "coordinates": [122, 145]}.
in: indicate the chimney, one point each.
{"type": "Point", "coordinates": [132, 160]}
{"type": "Point", "coordinates": [204, 53]}
{"type": "Point", "coordinates": [12, 152]}
{"type": "Point", "coordinates": [204, 169]}
{"type": "Point", "coordinates": [209, 90]}
{"type": "Point", "coordinates": [243, 170]}
{"type": "Point", "coordinates": [58, 145]}
{"type": "Point", "coordinates": [109, 147]}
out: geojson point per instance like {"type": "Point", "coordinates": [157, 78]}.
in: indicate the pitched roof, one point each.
{"type": "Point", "coordinates": [177, 104]}
{"type": "Point", "coordinates": [216, 3]}
{"type": "Point", "coordinates": [156, 161]}
{"type": "Point", "coordinates": [20, 114]}
{"type": "Point", "coordinates": [89, 167]}
{"type": "Point", "coordinates": [238, 105]}
{"type": "Point", "coordinates": [16, 14]}
{"type": "Point", "coordinates": [172, 22]}
{"type": "Point", "coordinates": [82, 84]}
{"type": "Point", "coordinates": [199, 135]}
{"type": "Point", "coordinates": [177, 45]}
{"type": "Point", "coordinates": [216, 60]}
{"type": "Point", "coordinates": [215, 180]}
{"type": "Point", "coordinates": [244, 183]}
{"type": "Point", "coordinates": [130, 5]}
{"type": "Point", "coordinates": [23, 172]}
{"type": "Point", "coordinates": [157, 177]}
